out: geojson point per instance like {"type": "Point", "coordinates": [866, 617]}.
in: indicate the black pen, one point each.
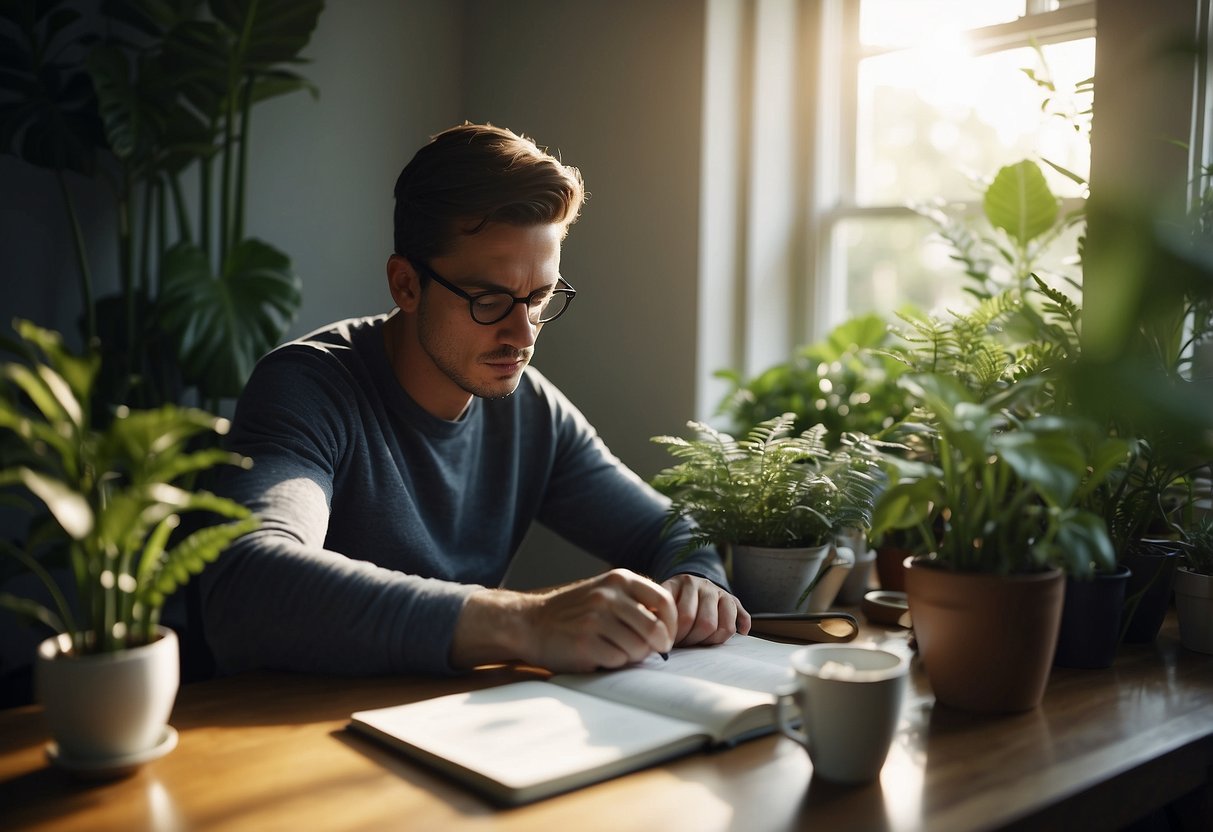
{"type": "Point", "coordinates": [665, 657]}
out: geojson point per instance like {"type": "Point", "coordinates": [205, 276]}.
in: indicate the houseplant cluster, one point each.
{"type": "Point", "coordinates": [1019, 461]}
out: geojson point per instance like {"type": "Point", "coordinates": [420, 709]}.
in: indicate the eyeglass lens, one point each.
{"type": "Point", "coordinates": [491, 307]}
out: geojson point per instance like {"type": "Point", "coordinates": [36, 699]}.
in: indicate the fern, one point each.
{"type": "Point", "coordinates": [770, 488]}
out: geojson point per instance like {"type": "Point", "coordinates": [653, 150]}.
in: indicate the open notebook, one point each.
{"type": "Point", "coordinates": [527, 740]}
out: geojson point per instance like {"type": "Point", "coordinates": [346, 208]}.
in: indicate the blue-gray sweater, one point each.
{"type": "Point", "coordinates": [379, 519]}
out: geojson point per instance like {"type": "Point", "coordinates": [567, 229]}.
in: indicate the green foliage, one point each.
{"type": "Point", "coordinates": [1002, 249]}
{"type": "Point", "coordinates": [169, 86]}
{"type": "Point", "coordinates": [841, 382]}
{"type": "Point", "coordinates": [770, 488]}
{"type": "Point", "coordinates": [999, 492]}
{"type": "Point", "coordinates": [1198, 546]}
{"type": "Point", "coordinates": [115, 495]}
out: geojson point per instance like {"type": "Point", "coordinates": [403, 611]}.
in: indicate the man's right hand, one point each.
{"type": "Point", "coordinates": [607, 621]}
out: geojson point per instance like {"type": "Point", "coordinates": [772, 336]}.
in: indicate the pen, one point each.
{"type": "Point", "coordinates": [665, 657]}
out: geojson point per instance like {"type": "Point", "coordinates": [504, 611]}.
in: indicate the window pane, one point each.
{"type": "Point", "coordinates": [932, 121]}
{"type": "Point", "coordinates": [892, 262]}
{"type": "Point", "coordinates": [898, 23]}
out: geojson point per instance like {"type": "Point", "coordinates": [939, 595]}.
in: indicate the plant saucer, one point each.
{"type": "Point", "coordinates": [886, 607]}
{"type": "Point", "coordinates": [104, 768]}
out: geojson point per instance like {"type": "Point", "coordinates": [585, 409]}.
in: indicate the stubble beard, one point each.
{"type": "Point", "coordinates": [448, 361]}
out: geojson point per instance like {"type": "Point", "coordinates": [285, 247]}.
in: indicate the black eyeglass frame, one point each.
{"type": "Point", "coordinates": [568, 291]}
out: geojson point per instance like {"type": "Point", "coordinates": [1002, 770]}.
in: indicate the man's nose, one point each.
{"type": "Point", "coordinates": [517, 329]}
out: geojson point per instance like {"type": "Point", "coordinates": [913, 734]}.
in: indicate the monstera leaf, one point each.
{"type": "Point", "coordinates": [223, 324]}
{"type": "Point", "coordinates": [1020, 203]}
{"type": "Point", "coordinates": [48, 111]}
{"type": "Point", "coordinates": [146, 122]}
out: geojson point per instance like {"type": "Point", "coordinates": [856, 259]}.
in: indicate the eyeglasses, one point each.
{"type": "Point", "coordinates": [542, 305]}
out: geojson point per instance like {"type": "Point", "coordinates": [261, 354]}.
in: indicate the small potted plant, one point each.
{"type": "Point", "coordinates": [775, 502]}
{"type": "Point", "coordinates": [114, 497]}
{"type": "Point", "coordinates": [997, 494]}
{"type": "Point", "coordinates": [1194, 587]}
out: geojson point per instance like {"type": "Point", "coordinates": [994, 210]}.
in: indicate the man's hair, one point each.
{"type": "Point", "coordinates": [474, 174]}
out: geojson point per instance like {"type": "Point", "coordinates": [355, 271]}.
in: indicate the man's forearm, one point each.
{"type": "Point", "coordinates": [491, 628]}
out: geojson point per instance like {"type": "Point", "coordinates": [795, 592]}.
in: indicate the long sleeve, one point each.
{"type": "Point", "coordinates": [379, 519]}
{"type": "Point", "coordinates": [281, 597]}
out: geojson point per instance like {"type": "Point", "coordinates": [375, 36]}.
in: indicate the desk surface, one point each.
{"type": "Point", "coordinates": [270, 751]}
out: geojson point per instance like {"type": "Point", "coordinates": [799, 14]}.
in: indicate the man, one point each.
{"type": "Point", "coordinates": [399, 461]}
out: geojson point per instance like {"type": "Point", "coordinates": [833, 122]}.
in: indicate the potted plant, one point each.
{"type": "Point", "coordinates": [114, 498]}
{"type": "Point", "coordinates": [1194, 587]}
{"type": "Point", "coordinates": [774, 502]}
{"type": "Point", "coordinates": [844, 382]}
{"type": "Point", "coordinates": [996, 489]}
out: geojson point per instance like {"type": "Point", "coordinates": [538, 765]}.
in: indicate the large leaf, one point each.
{"type": "Point", "coordinates": [1051, 463]}
{"type": "Point", "coordinates": [270, 31]}
{"type": "Point", "coordinates": [77, 371]}
{"type": "Point", "coordinates": [1019, 202]}
{"type": "Point", "coordinates": [69, 507]}
{"type": "Point", "coordinates": [222, 326]}
{"type": "Point", "coordinates": [146, 121]}
{"type": "Point", "coordinates": [49, 115]}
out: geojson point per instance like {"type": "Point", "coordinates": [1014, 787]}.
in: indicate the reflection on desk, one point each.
{"type": "Point", "coordinates": [272, 751]}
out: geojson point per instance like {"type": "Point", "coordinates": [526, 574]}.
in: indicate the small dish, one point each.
{"type": "Point", "coordinates": [112, 767]}
{"type": "Point", "coordinates": [884, 606]}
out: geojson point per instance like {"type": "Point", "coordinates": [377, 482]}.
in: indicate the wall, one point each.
{"type": "Point", "coordinates": [616, 89]}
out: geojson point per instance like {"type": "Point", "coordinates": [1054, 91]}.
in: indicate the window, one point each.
{"type": "Point", "coordinates": [923, 101]}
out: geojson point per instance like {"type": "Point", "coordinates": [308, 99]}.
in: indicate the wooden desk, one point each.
{"type": "Point", "coordinates": [270, 752]}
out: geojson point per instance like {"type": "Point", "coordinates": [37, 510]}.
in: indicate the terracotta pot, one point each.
{"type": "Point", "coordinates": [890, 568]}
{"type": "Point", "coordinates": [1194, 608]}
{"type": "Point", "coordinates": [1090, 620]}
{"type": "Point", "coordinates": [986, 641]}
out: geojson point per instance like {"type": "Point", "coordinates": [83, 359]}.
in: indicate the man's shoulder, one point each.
{"type": "Point", "coordinates": [348, 334]}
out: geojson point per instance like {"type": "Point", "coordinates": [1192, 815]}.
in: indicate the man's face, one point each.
{"type": "Point", "coordinates": [487, 361]}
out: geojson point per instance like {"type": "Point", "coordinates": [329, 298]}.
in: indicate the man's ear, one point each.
{"type": "Point", "coordinates": [404, 283]}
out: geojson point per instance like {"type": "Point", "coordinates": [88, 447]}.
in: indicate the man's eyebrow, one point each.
{"type": "Point", "coordinates": [486, 284]}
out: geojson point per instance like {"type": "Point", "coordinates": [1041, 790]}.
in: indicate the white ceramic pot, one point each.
{"type": "Point", "coordinates": [107, 706]}
{"type": "Point", "coordinates": [769, 579]}
{"type": "Point", "coordinates": [1194, 608]}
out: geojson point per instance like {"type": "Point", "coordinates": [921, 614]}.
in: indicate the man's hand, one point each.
{"type": "Point", "coordinates": [706, 613]}
{"type": "Point", "coordinates": [610, 620]}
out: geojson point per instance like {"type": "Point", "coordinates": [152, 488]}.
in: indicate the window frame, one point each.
{"type": "Point", "coordinates": [833, 192]}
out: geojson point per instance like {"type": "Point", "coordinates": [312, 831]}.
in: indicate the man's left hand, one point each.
{"type": "Point", "coordinates": [706, 613]}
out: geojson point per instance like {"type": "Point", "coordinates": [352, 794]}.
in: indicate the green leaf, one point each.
{"type": "Point", "coordinates": [1051, 463]}
{"type": "Point", "coordinates": [69, 508]}
{"type": "Point", "coordinates": [1019, 202]}
{"type": "Point", "coordinates": [223, 326]}
{"type": "Point", "coordinates": [32, 611]}
{"type": "Point", "coordinates": [77, 371]}
{"type": "Point", "coordinates": [199, 548]}
{"type": "Point", "coordinates": [147, 438]}
{"type": "Point", "coordinates": [269, 31]}
{"type": "Point", "coordinates": [49, 115]}
{"type": "Point", "coordinates": [905, 505]}
{"type": "Point", "coordinates": [1083, 540]}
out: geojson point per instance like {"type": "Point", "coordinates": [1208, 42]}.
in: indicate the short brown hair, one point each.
{"type": "Point", "coordinates": [474, 174]}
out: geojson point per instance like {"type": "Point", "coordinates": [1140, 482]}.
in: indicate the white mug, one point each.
{"type": "Point", "coordinates": [850, 699]}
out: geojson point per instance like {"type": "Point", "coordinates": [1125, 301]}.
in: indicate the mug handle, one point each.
{"type": "Point", "coordinates": [784, 701]}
